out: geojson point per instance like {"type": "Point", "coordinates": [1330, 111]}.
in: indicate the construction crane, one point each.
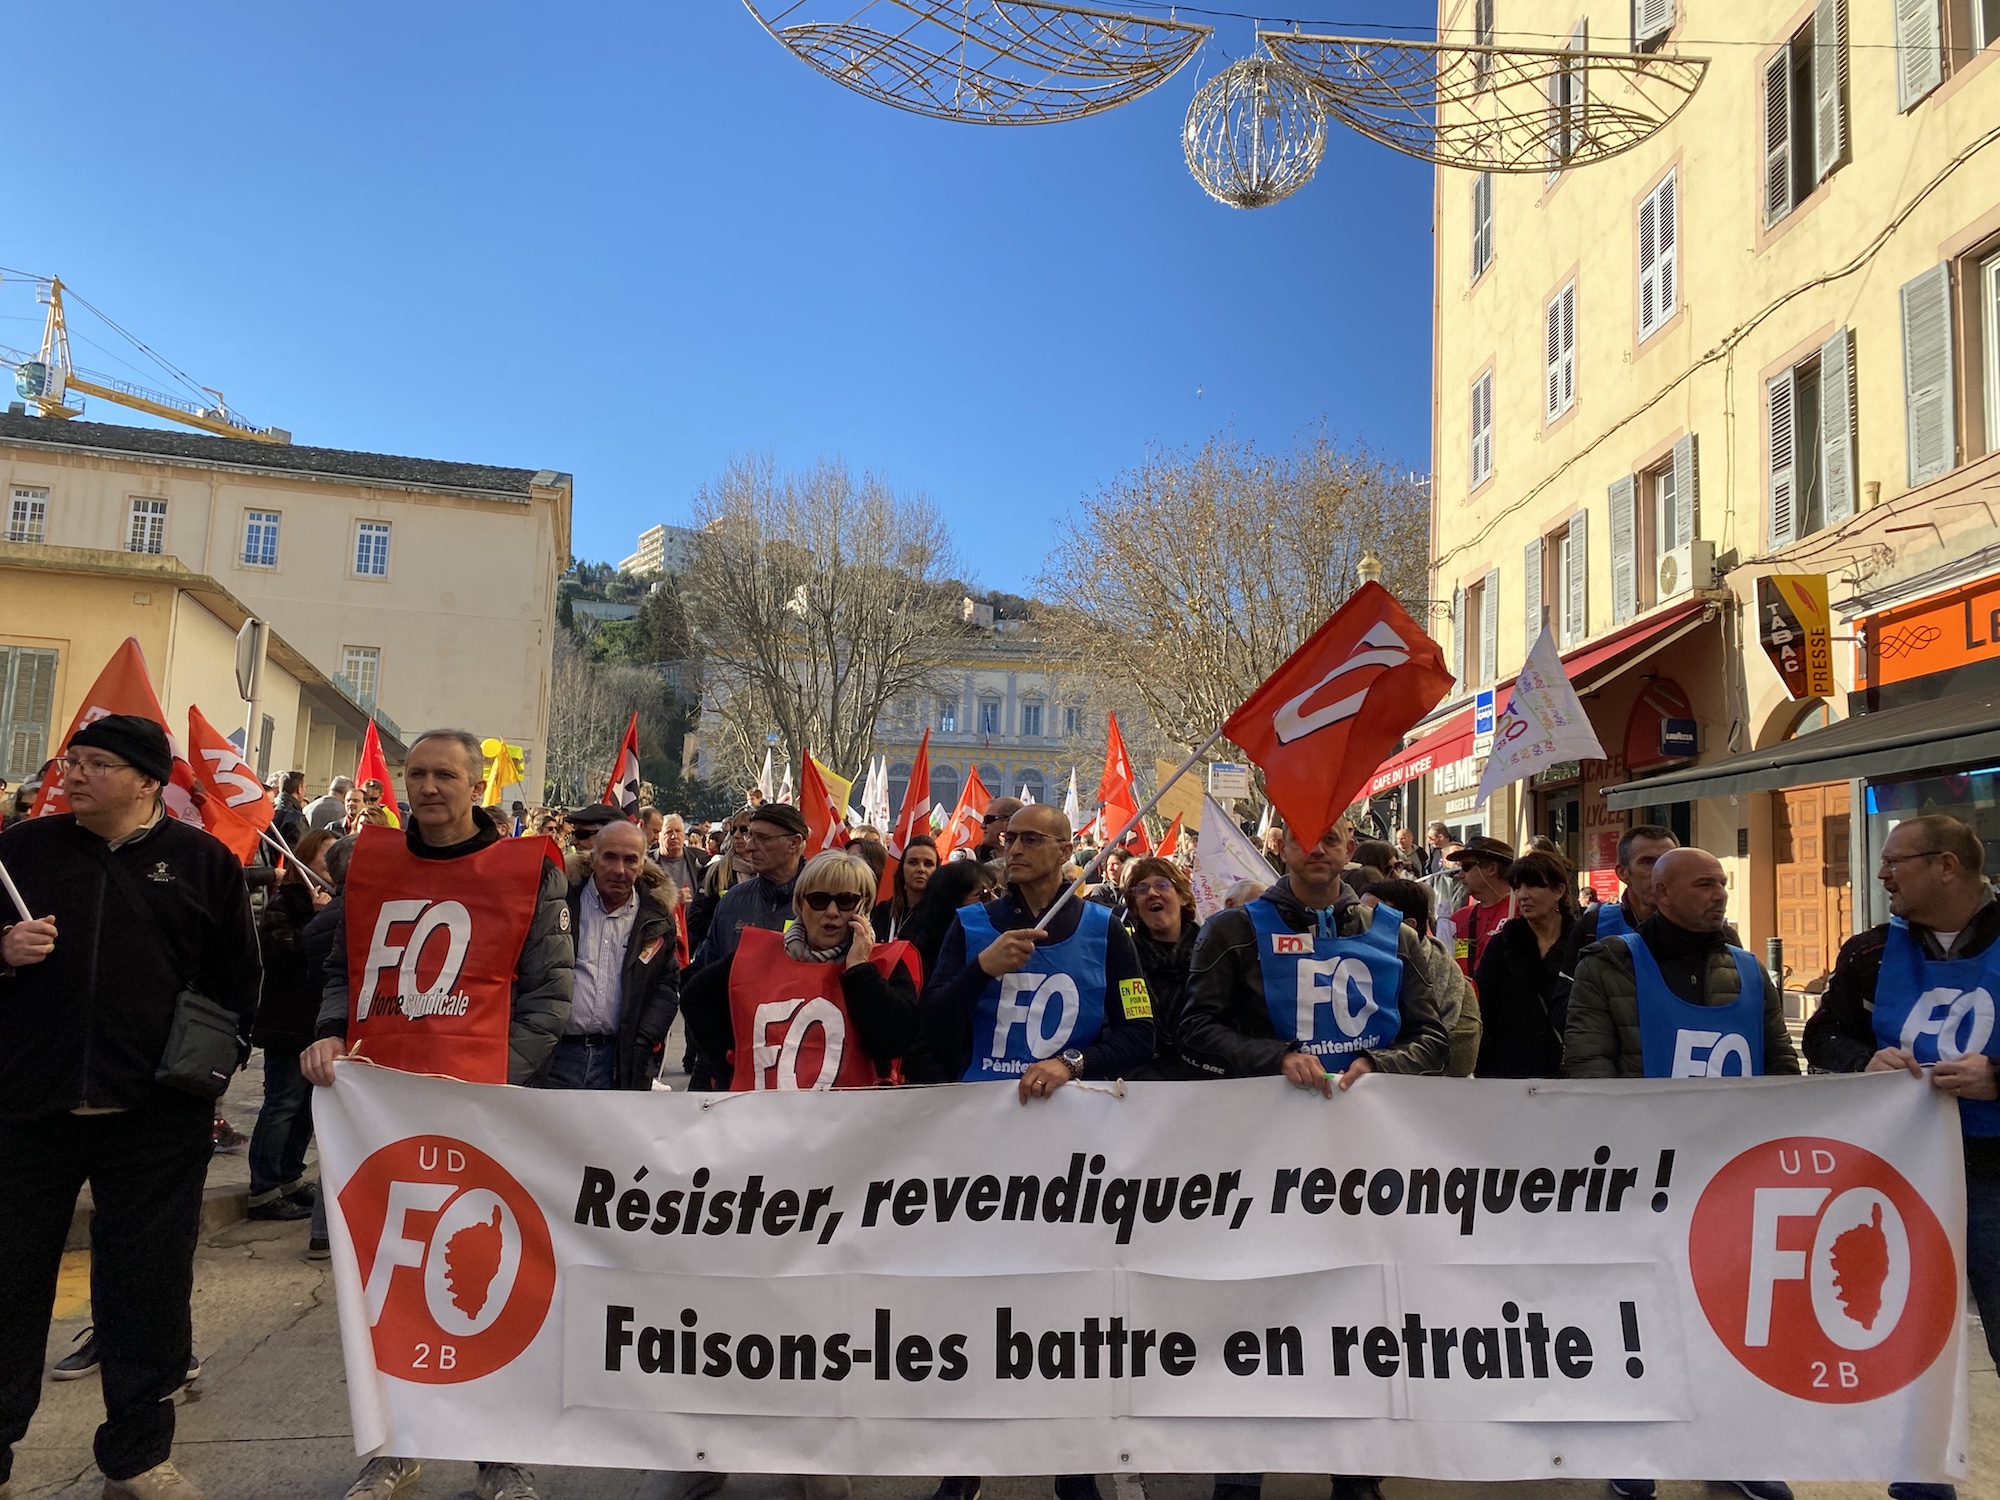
{"type": "Point", "coordinates": [50, 383]}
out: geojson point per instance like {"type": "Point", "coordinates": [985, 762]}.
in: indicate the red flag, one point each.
{"type": "Point", "coordinates": [233, 803]}
{"type": "Point", "coordinates": [966, 824]}
{"type": "Point", "coordinates": [622, 790]}
{"type": "Point", "coordinates": [1323, 723]}
{"type": "Point", "coordinates": [913, 819]}
{"type": "Point", "coordinates": [825, 810]}
{"type": "Point", "coordinates": [374, 766]}
{"type": "Point", "coordinates": [1115, 791]}
{"type": "Point", "coordinates": [1173, 839]}
{"type": "Point", "coordinates": [124, 688]}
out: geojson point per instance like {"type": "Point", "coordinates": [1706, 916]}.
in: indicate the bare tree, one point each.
{"type": "Point", "coordinates": [818, 600]}
{"type": "Point", "coordinates": [589, 708]}
{"type": "Point", "coordinates": [1188, 579]}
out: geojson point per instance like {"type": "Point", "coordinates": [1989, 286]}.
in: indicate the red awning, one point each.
{"type": "Point", "coordinates": [1451, 740]}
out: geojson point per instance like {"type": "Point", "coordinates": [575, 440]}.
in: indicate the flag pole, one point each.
{"type": "Point", "coordinates": [14, 895]}
{"type": "Point", "coordinates": [1130, 823]}
{"type": "Point", "coordinates": [277, 841]}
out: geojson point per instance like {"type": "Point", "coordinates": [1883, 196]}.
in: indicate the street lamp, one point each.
{"type": "Point", "coordinates": [1370, 567]}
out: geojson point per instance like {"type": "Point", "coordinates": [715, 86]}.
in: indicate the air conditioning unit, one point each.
{"type": "Point", "coordinates": [1685, 569]}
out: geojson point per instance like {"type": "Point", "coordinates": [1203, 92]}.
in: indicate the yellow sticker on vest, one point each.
{"type": "Point", "coordinates": [1134, 1001]}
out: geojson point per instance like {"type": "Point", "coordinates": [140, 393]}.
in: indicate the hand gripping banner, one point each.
{"type": "Point", "coordinates": [1425, 1277]}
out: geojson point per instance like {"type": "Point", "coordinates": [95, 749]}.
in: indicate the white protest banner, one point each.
{"type": "Point", "coordinates": [1452, 1279]}
{"type": "Point", "coordinates": [1224, 856]}
{"type": "Point", "coordinates": [1542, 725]}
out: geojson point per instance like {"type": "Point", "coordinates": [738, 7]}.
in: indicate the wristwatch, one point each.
{"type": "Point", "coordinates": [1073, 1060]}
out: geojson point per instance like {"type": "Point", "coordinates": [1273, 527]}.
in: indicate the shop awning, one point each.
{"type": "Point", "coordinates": [1918, 737]}
{"type": "Point", "coordinates": [1589, 669]}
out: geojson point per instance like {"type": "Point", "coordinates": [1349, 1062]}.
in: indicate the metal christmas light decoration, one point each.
{"type": "Point", "coordinates": [1255, 133]}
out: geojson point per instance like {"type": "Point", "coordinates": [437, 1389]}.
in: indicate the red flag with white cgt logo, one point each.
{"type": "Point", "coordinates": [1340, 705]}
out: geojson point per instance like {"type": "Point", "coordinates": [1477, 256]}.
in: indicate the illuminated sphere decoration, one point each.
{"type": "Point", "coordinates": [1255, 133]}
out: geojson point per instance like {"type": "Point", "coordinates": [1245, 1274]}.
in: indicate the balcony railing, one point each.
{"type": "Point", "coordinates": [366, 704]}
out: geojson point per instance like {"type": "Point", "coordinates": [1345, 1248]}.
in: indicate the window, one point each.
{"type": "Point", "coordinates": [1534, 618]}
{"type": "Point", "coordinates": [1919, 51]}
{"type": "Point", "coordinates": [1034, 786]}
{"type": "Point", "coordinates": [1651, 21]}
{"type": "Point", "coordinates": [1809, 421]}
{"type": "Point", "coordinates": [362, 667]}
{"type": "Point", "coordinates": [1659, 258]}
{"type": "Point", "coordinates": [27, 696]}
{"type": "Point", "coordinates": [989, 716]}
{"type": "Point", "coordinates": [1482, 430]}
{"type": "Point", "coordinates": [1482, 223]}
{"type": "Point", "coordinates": [1072, 721]}
{"type": "Point", "coordinates": [1458, 641]}
{"type": "Point", "coordinates": [995, 783]}
{"type": "Point", "coordinates": [27, 514]}
{"type": "Point", "coordinates": [267, 727]}
{"type": "Point", "coordinates": [1652, 513]}
{"type": "Point", "coordinates": [1482, 624]}
{"type": "Point", "coordinates": [899, 786]}
{"type": "Point", "coordinates": [1927, 374]}
{"type": "Point", "coordinates": [148, 529]}
{"type": "Point", "coordinates": [1482, 36]}
{"type": "Point", "coordinates": [947, 717]}
{"type": "Point", "coordinates": [1567, 103]}
{"type": "Point", "coordinates": [944, 787]}
{"type": "Point", "coordinates": [1985, 23]}
{"type": "Point", "coordinates": [1031, 720]}
{"type": "Point", "coordinates": [1573, 578]}
{"type": "Point", "coordinates": [371, 549]}
{"type": "Point", "coordinates": [1559, 320]}
{"type": "Point", "coordinates": [1805, 110]}
{"type": "Point", "coordinates": [1989, 332]}
{"type": "Point", "coordinates": [260, 539]}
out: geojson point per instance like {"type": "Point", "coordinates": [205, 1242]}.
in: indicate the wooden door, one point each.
{"type": "Point", "coordinates": [1812, 876]}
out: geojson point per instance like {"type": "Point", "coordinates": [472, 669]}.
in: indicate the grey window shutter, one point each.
{"type": "Point", "coordinates": [1568, 302]}
{"type": "Point", "coordinates": [1668, 194]}
{"type": "Point", "coordinates": [1778, 137]}
{"type": "Point", "coordinates": [1552, 383]}
{"type": "Point", "coordinates": [1829, 70]}
{"type": "Point", "coordinates": [1657, 257]}
{"type": "Point", "coordinates": [1687, 493]}
{"type": "Point", "coordinates": [1458, 636]}
{"type": "Point", "coordinates": [1927, 373]}
{"type": "Point", "coordinates": [1482, 429]}
{"type": "Point", "coordinates": [1489, 629]}
{"type": "Point", "coordinates": [1624, 549]}
{"type": "Point", "coordinates": [1651, 20]}
{"type": "Point", "coordinates": [1576, 603]}
{"type": "Point", "coordinates": [1783, 516]}
{"type": "Point", "coordinates": [1919, 51]}
{"type": "Point", "coordinates": [1482, 223]}
{"type": "Point", "coordinates": [1531, 592]}
{"type": "Point", "coordinates": [1836, 425]}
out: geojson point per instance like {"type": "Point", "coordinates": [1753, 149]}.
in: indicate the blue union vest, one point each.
{"type": "Point", "coordinates": [1335, 996]}
{"type": "Point", "coordinates": [1679, 1040]}
{"type": "Point", "coordinates": [1055, 1003]}
{"type": "Point", "coordinates": [1611, 921]}
{"type": "Point", "coordinates": [1937, 1009]}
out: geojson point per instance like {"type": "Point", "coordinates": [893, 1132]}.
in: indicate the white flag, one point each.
{"type": "Point", "coordinates": [1027, 797]}
{"type": "Point", "coordinates": [1264, 823]}
{"type": "Point", "coordinates": [1071, 809]}
{"type": "Point", "coordinates": [1542, 725]}
{"type": "Point", "coordinates": [1223, 856]}
{"type": "Point", "coordinates": [764, 782]}
{"type": "Point", "coordinates": [785, 787]}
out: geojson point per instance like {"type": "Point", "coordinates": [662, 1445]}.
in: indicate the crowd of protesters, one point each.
{"type": "Point", "coordinates": [1482, 963]}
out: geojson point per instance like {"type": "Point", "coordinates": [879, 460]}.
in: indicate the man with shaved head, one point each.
{"type": "Point", "coordinates": [1674, 999]}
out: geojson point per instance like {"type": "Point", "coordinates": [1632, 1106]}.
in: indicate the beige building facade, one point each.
{"type": "Point", "coordinates": [424, 591]}
{"type": "Point", "coordinates": [1765, 341]}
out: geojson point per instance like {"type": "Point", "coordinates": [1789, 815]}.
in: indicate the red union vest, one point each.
{"type": "Point", "coordinates": [790, 1019]}
{"type": "Point", "coordinates": [432, 946]}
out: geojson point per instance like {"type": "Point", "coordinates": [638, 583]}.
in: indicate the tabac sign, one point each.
{"type": "Point", "coordinates": [1796, 629]}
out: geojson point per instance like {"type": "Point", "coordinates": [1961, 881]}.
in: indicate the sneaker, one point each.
{"type": "Point", "coordinates": [284, 1209]}
{"type": "Point", "coordinates": [161, 1482]}
{"type": "Point", "coordinates": [318, 1249]}
{"type": "Point", "coordinates": [1760, 1489]}
{"type": "Point", "coordinates": [1633, 1489]}
{"type": "Point", "coordinates": [194, 1368]}
{"type": "Point", "coordinates": [1905, 1490]}
{"type": "Point", "coordinates": [79, 1362]}
{"type": "Point", "coordinates": [301, 1192]}
{"type": "Point", "coordinates": [822, 1486]}
{"type": "Point", "coordinates": [225, 1138]}
{"type": "Point", "coordinates": [957, 1489]}
{"type": "Point", "coordinates": [1356, 1487]}
{"type": "Point", "coordinates": [382, 1477]}
{"type": "Point", "coordinates": [504, 1482]}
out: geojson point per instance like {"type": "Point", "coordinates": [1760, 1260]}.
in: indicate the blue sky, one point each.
{"type": "Point", "coordinates": [631, 241]}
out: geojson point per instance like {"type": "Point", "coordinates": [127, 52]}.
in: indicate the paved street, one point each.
{"type": "Point", "coordinates": [269, 1415]}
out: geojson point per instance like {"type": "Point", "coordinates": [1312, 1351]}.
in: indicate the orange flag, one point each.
{"type": "Point", "coordinates": [1115, 791]}
{"type": "Point", "coordinates": [374, 766]}
{"type": "Point", "coordinates": [233, 804]}
{"type": "Point", "coordinates": [965, 826]}
{"type": "Point", "coordinates": [124, 688]}
{"type": "Point", "coordinates": [915, 817]}
{"type": "Point", "coordinates": [1173, 839]}
{"type": "Point", "coordinates": [823, 800]}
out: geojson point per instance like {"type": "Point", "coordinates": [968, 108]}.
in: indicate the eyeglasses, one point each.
{"type": "Point", "coordinates": [1027, 839]}
{"type": "Point", "coordinates": [95, 766]}
{"type": "Point", "coordinates": [1889, 862]}
{"type": "Point", "coordinates": [1159, 885]}
{"type": "Point", "coordinates": [847, 901]}
{"type": "Point", "coordinates": [769, 838]}
{"type": "Point", "coordinates": [991, 818]}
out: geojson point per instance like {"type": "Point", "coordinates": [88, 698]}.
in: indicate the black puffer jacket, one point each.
{"type": "Point", "coordinates": [1165, 966]}
{"type": "Point", "coordinates": [288, 1009]}
{"type": "Point", "coordinates": [87, 1025]}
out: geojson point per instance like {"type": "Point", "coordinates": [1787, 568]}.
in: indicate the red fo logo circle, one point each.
{"type": "Point", "coordinates": [1822, 1270]}
{"type": "Point", "coordinates": [457, 1271]}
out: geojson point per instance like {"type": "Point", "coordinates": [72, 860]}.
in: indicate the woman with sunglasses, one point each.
{"type": "Point", "coordinates": [821, 1005]}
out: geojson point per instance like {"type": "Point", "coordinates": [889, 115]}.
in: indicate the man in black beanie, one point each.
{"type": "Point", "coordinates": [776, 843]}
{"type": "Point", "coordinates": [130, 907]}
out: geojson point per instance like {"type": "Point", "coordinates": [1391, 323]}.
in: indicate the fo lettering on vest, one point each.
{"type": "Point", "coordinates": [1053, 1003]}
{"type": "Point", "coordinates": [432, 948]}
{"type": "Point", "coordinates": [1335, 996]}
{"type": "Point", "coordinates": [1937, 1009]}
{"type": "Point", "coordinates": [793, 1031]}
{"type": "Point", "coordinates": [1679, 1040]}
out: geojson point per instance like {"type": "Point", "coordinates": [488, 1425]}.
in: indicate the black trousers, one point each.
{"type": "Point", "coordinates": [145, 1168]}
